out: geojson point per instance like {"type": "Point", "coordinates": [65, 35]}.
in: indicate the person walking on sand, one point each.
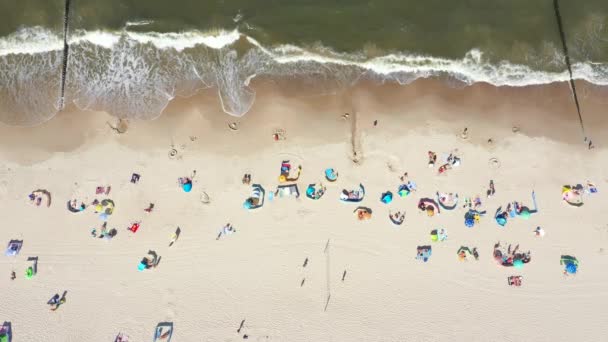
{"type": "Point", "coordinates": [227, 229]}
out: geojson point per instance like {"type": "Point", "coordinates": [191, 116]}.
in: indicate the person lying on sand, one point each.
{"type": "Point", "coordinates": [432, 158]}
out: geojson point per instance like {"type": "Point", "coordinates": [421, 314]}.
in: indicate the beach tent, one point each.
{"type": "Point", "coordinates": [315, 191]}
{"type": "Point", "coordinates": [163, 332]}
{"type": "Point", "coordinates": [363, 213]}
{"type": "Point", "coordinates": [423, 253]}
{"type": "Point", "coordinates": [353, 195]}
{"type": "Point", "coordinates": [403, 190]}
{"type": "Point", "coordinates": [288, 190]}
{"type": "Point", "coordinates": [447, 201]}
{"type": "Point", "coordinates": [570, 263]}
{"type": "Point", "coordinates": [386, 197]}
{"type": "Point", "coordinates": [44, 194]}
{"type": "Point", "coordinates": [331, 175]}
{"type": "Point", "coordinates": [6, 332]}
{"type": "Point", "coordinates": [397, 220]}
{"type": "Point", "coordinates": [573, 195]}
{"type": "Point", "coordinates": [13, 248]}
{"type": "Point", "coordinates": [256, 200]}
{"type": "Point", "coordinates": [73, 209]}
{"type": "Point", "coordinates": [429, 205]}
{"type": "Point", "coordinates": [121, 338]}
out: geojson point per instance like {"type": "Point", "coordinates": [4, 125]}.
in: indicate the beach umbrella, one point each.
{"type": "Point", "coordinates": [501, 221]}
{"type": "Point", "coordinates": [387, 197]}
{"type": "Point", "coordinates": [518, 263]}
{"type": "Point", "coordinates": [571, 268]}
{"type": "Point", "coordinates": [187, 186]}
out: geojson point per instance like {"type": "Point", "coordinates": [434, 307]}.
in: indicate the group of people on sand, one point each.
{"type": "Point", "coordinates": [510, 257]}
{"type": "Point", "coordinates": [451, 161]}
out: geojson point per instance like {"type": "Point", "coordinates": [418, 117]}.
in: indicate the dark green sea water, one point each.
{"type": "Point", "coordinates": [512, 42]}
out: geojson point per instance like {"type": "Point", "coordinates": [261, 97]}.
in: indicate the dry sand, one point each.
{"type": "Point", "coordinates": [206, 287]}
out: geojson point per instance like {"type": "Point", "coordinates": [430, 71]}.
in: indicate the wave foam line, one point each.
{"type": "Point", "coordinates": [39, 40]}
{"type": "Point", "coordinates": [469, 69]}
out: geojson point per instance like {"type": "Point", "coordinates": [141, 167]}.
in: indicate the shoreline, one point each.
{"type": "Point", "coordinates": [488, 112]}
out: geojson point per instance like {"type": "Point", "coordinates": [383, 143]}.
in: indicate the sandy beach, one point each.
{"type": "Point", "coordinates": [206, 287]}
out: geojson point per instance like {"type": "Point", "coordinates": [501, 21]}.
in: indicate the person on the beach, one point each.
{"type": "Point", "coordinates": [476, 202]}
{"type": "Point", "coordinates": [13, 275]}
{"type": "Point", "coordinates": [491, 191]}
{"type": "Point", "coordinates": [443, 168]}
{"type": "Point", "coordinates": [432, 158]}
{"type": "Point", "coordinates": [227, 229]}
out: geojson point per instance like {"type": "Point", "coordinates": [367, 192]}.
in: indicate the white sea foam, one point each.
{"type": "Point", "coordinates": [184, 40]}
{"type": "Point", "coordinates": [470, 69]}
{"type": "Point", "coordinates": [139, 23]}
{"type": "Point", "coordinates": [38, 40]}
{"type": "Point", "coordinates": [30, 40]}
{"type": "Point", "coordinates": [135, 75]}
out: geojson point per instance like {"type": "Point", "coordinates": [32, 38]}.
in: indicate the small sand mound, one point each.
{"type": "Point", "coordinates": [205, 198]}
{"type": "Point", "coordinates": [121, 127]}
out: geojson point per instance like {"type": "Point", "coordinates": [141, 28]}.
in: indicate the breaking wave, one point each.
{"type": "Point", "coordinates": [135, 75]}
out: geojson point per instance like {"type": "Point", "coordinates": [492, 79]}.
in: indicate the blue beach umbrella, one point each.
{"type": "Point", "coordinates": [571, 268]}
{"type": "Point", "coordinates": [387, 197]}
